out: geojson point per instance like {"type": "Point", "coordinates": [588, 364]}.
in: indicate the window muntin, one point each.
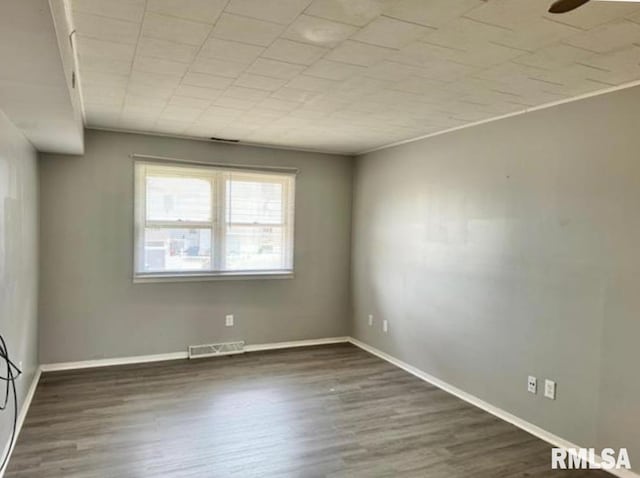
{"type": "Point", "coordinates": [193, 220]}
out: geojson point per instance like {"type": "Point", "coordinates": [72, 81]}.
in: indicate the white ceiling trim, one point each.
{"type": "Point", "coordinates": [230, 143]}
{"type": "Point", "coordinates": [340, 75]}
{"type": "Point", "coordinates": [603, 91]}
{"type": "Point", "coordinates": [585, 96]}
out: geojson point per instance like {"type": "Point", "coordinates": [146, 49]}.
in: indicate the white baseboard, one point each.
{"type": "Point", "coordinates": [487, 407]}
{"type": "Point", "coordinates": [22, 414]}
{"type": "Point", "coordinates": [55, 367]}
{"type": "Point", "coordinates": [467, 397]}
{"type": "Point", "coordinates": [296, 343]}
{"type": "Point", "coordinates": [108, 362]}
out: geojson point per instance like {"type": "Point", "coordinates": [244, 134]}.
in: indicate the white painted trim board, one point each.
{"type": "Point", "coordinates": [473, 400]}
{"type": "Point", "coordinates": [413, 139]}
{"type": "Point", "coordinates": [108, 362]}
{"type": "Point", "coordinates": [22, 415]}
{"type": "Point", "coordinates": [229, 143]}
{"type": "Point", "coordinates": [487, 407]}
{"type": "Point", "coordinates": [53, 367]}
{"type": "Point", "coordinates": [530, 109]}
{"type": "Point", "coordinates": [571, 99]}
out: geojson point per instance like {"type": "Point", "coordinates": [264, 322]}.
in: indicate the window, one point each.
{"type": "Point", "coordinates": [194, 221]}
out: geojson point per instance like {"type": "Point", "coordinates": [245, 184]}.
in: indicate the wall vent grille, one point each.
{"type": "Point", "coordinates": [213, 350]}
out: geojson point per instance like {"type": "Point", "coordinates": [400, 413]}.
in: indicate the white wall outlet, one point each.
{"type": "Point", "coordinates": [532, 384]}
{"type": "Point", "coordinates": [385, 326]}
{"type": "Point", "coordinates": [550, 389]}
{"type": "Point", "coordinates": [228, 320]}
{"type": "Point", "coordinates": [370, 320]}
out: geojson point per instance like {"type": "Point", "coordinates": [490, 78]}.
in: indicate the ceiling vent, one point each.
{"type": "Point", "coordinates": [213, 350]}
{"type": "Point", "coordinates": [224, 140]}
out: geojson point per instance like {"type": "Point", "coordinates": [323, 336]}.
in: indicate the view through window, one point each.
{"type": "Point", "coordinates": [195, 220]}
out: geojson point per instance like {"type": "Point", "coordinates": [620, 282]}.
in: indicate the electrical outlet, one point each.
{"type": "Point", "coordinates": [385, 326]}
{"type": "Point", "coordinates": [550, 389]}
{"type": "Point", "coordinates": [532, 384]}
{"type": "Point", "coordinates": [228, 320]}
{"type": "Point", "coordinates": [370, 320]}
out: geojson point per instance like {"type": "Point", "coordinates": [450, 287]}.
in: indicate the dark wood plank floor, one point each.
{"type": "Point", "coordinates": [330, 411]}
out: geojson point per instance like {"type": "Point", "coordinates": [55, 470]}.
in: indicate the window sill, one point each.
{"type": "Point", "coordinates": [252, 275]}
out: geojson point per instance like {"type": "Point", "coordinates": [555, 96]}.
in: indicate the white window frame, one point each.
{"type": "Point", "coordinates": [217, 225]}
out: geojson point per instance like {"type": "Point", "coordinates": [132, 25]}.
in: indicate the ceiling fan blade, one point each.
{"type": "Point", "coordinates": [564, 6]}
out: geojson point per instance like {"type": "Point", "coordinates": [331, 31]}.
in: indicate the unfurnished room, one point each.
{"type": "Point", "coordinates": [319, 238]}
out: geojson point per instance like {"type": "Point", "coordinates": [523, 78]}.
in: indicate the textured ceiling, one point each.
{"type": "Point", "coordinates": [340, 75]}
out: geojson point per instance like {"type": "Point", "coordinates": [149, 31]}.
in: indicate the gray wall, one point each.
{"type": "Point", "coordinates": [510, 249]}
{"type": "Point", "coordinates": [89, 307]}
{"type": "Point", "coordinates": [18, 260]}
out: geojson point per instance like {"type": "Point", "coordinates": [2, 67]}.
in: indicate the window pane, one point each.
{"type": "Point", "coordinates": [185, 224]}
{"type": "Point", "coordinates": [255, 248]}
{"type": "Point", "coordinates": [254, 202]}
{"type": "Point", "coordinates": [178, 198]}
{"type": "Point", "coordinates": [177, 250]}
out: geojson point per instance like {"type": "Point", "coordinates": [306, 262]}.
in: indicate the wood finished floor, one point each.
{"type": "Point", "coordinates": [329, 411]}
